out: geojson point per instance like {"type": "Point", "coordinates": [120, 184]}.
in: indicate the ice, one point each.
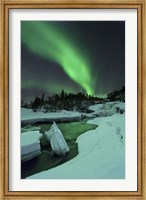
{"type": "Point", "coordinates": [29, 128]}
{"type": "Point", "coordinates": [30, 145]}
{"type": "Point", "coordinates": [58, 143]}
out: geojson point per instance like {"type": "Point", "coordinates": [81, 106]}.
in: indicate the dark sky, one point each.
{"type": "Point", "coordinates": [75, 56]}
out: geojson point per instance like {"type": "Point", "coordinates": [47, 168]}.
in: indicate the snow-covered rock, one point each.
{"type": "Point", "coordinates": [30, 145]}
{"type": "Point", "coordinates": [57, 141]}
{"type": "Point", "coordinates": [107, 109]}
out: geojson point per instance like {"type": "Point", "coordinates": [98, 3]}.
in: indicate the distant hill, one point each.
{"type": "Point", "coordinates": [117, 95]}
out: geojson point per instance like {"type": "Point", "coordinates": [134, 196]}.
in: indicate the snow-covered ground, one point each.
{"type": "Point", "coordinates": [101, 151]}
{"type": "Point", "coordinates": [28, 116]}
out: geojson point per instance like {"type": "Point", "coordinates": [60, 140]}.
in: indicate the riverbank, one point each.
{"type": "Point", "coordinates": [46, 161]}
{"type": "Point", "coordinates": [101, 153]}
{"type": "Point", "coordinates": [28, 116]}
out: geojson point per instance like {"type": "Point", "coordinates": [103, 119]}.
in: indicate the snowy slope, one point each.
{"type": "Point", "coordinates": [101, 153]}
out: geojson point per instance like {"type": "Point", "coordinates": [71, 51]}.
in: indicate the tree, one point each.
{"type": "Point", "coordinates": [36, 103]}
{"type": "Point", "coordinates": [42, 101]}
{"type": "Point", "coordinates": [62, 94]}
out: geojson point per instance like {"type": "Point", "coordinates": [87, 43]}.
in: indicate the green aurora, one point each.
{"type": "Point", "coordinates": [47, 41]}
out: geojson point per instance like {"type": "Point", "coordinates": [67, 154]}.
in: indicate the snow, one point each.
{"type": "Point", "coordinates": [101, 152]}
{"type": "Point", "coordinates": [30, 114]}
{"type": "Point", "coordinates": [96, 107]}
{"type": "Point", "coordinates": [30, 144]}
{"type": "Point", "coordinates": [58, 143]}
{"type": "Point", "coordinates": [29, 128]}
{"type": "Point", "coordinates": [88, 115]}
{"type": "Point", "coordinates": [107, 109]}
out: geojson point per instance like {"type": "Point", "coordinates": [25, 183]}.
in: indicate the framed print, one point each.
{"type": "Point", "coordinates": [73, 108]}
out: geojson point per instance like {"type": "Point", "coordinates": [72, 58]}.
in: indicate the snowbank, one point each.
{"type": "Point", "coordinates": [28, 116]}
{"type": "Point", "coordinates": [101, 153]}
{"type": "Point", "coordinates": [30, 145]}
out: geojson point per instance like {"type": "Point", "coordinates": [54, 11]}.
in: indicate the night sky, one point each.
{"type": "Point", "coordinates": [87, 56]}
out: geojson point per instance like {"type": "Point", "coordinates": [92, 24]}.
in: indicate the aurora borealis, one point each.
{"type": "Point", "coordinates": [72, 55]}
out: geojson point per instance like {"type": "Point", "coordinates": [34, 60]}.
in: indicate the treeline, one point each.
{"type": "Point", "coordinates": [70, 101]}
{"type": "Point", "coordinates": [79, 102]}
